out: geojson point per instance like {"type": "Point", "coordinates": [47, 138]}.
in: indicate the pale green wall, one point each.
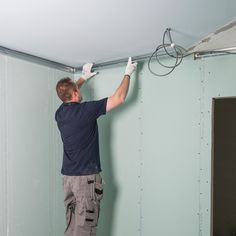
{"type": "Point", "coordinates": [155, 149]}
{"type": "Point", "coordinates": [30, 183]}
{"type": "Point", "coordinates": [149, 150]}
{"type": "Point", "coordinates": [218, 79]}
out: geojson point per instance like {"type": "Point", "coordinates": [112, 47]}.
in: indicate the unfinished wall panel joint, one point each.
{"type": "Point", "coordinates": [3, 149]}
{"type": "Point", "coordinates": [201, 138]}
{"type": "Point", "coordinates": [51, 160]}
{"type": "Point", "coordinates": [140, 175]}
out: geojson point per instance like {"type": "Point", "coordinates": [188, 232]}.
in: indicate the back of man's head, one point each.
{"type": "Point", "coordinates": [65, 87]}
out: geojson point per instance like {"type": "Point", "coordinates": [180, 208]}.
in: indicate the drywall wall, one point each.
{"type": "Point", "coordinates": [155, 149]}
{"type": "Point", "coordinates": [218, 79]}
{"type": "Point", "coordinates": [149, 150]}
{"type": "Point", "coordinates": [29, 178]}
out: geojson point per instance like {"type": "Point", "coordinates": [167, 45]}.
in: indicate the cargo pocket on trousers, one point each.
{"type": "Point", "coordinates": [70, 212]}
{"type": "Point", "coordinates": [91, 213]}
{"type": "Point", "coordinates": [98, 190]}
{"type": "Point", "coordinates": [80, 212]}
{"type": "Point", "coordinates": [75, 214]}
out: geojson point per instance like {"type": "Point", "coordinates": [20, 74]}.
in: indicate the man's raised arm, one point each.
{"type": "Point", "coordinates": [121, 92]}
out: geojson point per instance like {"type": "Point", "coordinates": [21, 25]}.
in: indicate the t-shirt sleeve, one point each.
{"type": "Point", "coordinates": [94, 109]}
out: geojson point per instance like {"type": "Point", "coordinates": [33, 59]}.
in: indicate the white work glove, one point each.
{"type": "Point", "coordinates": [86, 72]}
{"type": "Point", "coordinates": [130, 67]}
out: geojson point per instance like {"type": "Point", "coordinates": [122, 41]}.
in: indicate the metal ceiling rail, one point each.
{"type": "Point", "coordinates": [36, 59]}
{"type": "Point", "coordinates": [118, 61]}
{"type": "Point", "coordinates": [63, 67]}
{"type": "Point", "coordinates": [71, 69]}
{"type": "Point", "coordinates": [205, 54]}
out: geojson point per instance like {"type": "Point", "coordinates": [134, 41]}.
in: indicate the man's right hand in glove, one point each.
{"type": "Point", "coordinates": [121, 92]}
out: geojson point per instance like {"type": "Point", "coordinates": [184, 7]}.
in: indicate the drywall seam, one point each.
{"type": "Point", "coordinates": [140, 151]}
{"type": "Point", "coordinates": [7, 171]}
{"type": "Point", "coordinates": [3, 147]}
{"type": "Point", "coordinates": [202, 94]}
{"type": "Point", "coordinates": [54, 158]}
{"type": "Point", "coordinates": [52, 155]}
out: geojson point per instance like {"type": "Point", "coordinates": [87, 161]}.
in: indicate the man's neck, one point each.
{"type": "Point", "coordinates": [72, 100]}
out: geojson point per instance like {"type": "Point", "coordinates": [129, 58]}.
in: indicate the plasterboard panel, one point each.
{"type": "Point", "coordinates": [218, 80]}
{"type": "Point", "coordinates": [30, 174]}
{"type": "Point", "coordinates": [28, 149]}
{"type": "Point", "coordinates": [170, 151]}
{"type": "Point", "coordinates": [119, 149]}
{"type": "Point", "coordinates": [150, 153]}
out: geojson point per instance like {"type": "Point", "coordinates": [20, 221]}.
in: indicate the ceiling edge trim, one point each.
{"type": "Point", "coordinates": [73, 70]}
{"type": "Point", "coordinates": [117, 61]}
{"type": "Point", "coordinates": [36, 59]}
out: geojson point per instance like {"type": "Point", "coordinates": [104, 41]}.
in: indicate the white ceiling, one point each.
{"type": "Point", "coordinates": [73, 32]}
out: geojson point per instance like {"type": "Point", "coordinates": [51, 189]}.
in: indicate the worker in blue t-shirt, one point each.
{"type": "Point", "coordinates": [77, 122]}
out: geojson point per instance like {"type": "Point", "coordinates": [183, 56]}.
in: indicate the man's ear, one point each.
{"type": "Point", "coordinates": [74, 94]}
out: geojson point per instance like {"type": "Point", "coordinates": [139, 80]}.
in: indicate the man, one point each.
{"type": "Point", "coordinates": [77, 122]}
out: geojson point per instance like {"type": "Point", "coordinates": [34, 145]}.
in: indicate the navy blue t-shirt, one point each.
{"type": "Point", "coordinates": [77, 123]}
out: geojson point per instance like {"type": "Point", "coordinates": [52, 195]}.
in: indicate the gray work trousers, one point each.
{"type": "Point", "coordinates": [82, 201]}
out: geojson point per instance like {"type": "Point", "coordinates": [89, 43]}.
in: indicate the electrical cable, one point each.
{"type": "Point", "coordinates": [177, 52]}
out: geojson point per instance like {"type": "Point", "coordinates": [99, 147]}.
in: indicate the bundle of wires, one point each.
{"type": "Point", "coordinates": [167, 49]}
